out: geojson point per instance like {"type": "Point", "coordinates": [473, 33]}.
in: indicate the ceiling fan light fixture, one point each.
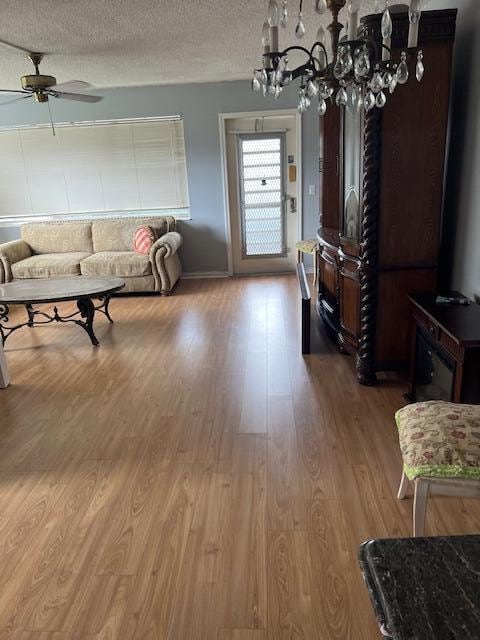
{"type": "Point", "coordinates": [37, 82]}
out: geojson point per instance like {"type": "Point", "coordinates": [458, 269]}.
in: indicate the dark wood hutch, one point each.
{"type": "Point", "coordinates": [381, 211]}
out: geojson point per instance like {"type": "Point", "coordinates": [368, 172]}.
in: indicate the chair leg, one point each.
{"type": "Point", "coordinates": [315, 268]}
{"type": "Point", "coordinates": [402, 489]}
{"type": "Point", "coordinates": [420, 499]}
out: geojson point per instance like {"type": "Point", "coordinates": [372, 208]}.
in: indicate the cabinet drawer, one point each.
{"type": "Point", "coordinates": [349, 267]}
{"type": "Point", "coordinates": [328, 276]}
{"type": "Point", "coordinates": [424, 321]}
{"type": "Point", "coordinates": [350, 305]}
{"type": "Point", "coordinates": [328, 255]}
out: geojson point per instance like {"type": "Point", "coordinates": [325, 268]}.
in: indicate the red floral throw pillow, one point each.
{"type": "Point", "coordinates": [143, 240]}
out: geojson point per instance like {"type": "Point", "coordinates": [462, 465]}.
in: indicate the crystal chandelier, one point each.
{"type": "Point", "coordinates": [358, 74]}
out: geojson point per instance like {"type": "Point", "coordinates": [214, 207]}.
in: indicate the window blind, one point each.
{"type": "Point", "coordinates": [94, 167]}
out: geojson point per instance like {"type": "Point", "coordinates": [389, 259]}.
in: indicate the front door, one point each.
{"type": "Point", "coordinates": [262, 202]}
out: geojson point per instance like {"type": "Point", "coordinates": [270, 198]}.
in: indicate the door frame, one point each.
{"type": "Point", "coordinates": [222, 122]}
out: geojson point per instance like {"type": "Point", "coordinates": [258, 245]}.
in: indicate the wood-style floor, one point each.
{"type": "Point", "coordinates": [194, 477]}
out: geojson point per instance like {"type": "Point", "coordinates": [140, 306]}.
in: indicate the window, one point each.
{"type": "Point", "coordinates": [90, 168]}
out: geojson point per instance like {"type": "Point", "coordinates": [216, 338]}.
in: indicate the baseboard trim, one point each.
{"type": "Point", "coordinates": [259, 274]}
{"type": "Point", "coordinates": [204, 274]}
{"type": "Point", "coordinates": [224, 274]}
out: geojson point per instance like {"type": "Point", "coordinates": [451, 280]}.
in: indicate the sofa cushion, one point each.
{"type": "Point", "coordinates": [117, 234]}
{"type": "Point", "coordinates": [123, 264]}
{"type": "Point", "coordinates": [49, 265]}
{"type": "Point", "coordinates": [58, 237]}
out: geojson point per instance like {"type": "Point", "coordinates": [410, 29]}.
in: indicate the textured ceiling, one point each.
{"type": "Point", "coordinates": [135, 42]}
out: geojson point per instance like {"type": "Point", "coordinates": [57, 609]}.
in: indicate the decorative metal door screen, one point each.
{"type": "Point", "coordinates": [261, 168]}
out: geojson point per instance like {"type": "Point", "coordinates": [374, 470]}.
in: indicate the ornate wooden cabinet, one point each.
{"type": "Point", "coordinates": [382, 195]}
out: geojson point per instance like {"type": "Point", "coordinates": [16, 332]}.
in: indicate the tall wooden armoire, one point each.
{"type": "Point", "coordinates": [382, 195]}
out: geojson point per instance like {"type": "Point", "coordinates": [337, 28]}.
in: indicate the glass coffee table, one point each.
{"type": "Point", "coordinates": [81, 289]}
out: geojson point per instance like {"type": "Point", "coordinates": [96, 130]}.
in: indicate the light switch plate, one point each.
{"type": "Point", "coordinates": [311, 190]}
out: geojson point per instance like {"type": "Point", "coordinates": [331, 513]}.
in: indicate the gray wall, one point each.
{"type": "Point", "coordinates": [205, 235]}
{"type": "Point", "coordinates": [461, 240]}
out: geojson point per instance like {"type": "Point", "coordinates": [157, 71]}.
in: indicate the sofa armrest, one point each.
{"type": "Point", "coordinates": [165, 262]}
{"type": "Point", "coordinates": [11, 252]}
{"type": "Point", "coordinates": [172, 241]}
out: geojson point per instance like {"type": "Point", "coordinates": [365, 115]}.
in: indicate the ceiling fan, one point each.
{"type": "Point", "coordinates": [41, 87]}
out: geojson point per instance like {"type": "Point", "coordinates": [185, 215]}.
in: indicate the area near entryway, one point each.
{"type": "Point", "coordinates": [262, 158]}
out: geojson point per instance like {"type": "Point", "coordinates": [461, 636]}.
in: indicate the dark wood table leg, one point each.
{"type": "Point", "coordinates": [87, 311]}
{"type": "Point", "coordinates": [3, 319]}
{"type": "Point", "coordinates": [31, 314]}
{"type": "Point", "coordinates": [105, 310]}
{"type": "Point", "coordinates": [103, 306]}
{"type": "Point", "coordinates": [4, 331]}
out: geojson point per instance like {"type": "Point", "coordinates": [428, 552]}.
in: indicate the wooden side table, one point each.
{"type": "Point", "coordinates": [445, 361]}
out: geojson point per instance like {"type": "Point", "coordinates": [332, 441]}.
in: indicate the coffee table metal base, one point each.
{"type": "Point", "coordinates": [86, 310]}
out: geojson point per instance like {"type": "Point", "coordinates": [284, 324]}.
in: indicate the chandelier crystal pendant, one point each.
{"type": "Point", "coordinates": [359, 74]}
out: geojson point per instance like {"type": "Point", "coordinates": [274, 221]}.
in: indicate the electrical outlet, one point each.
{"type": "Point", "coordinates": [311, 190]}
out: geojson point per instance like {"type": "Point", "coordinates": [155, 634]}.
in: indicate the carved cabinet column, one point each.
{"type": "Point", "coordinates": [366, 366]}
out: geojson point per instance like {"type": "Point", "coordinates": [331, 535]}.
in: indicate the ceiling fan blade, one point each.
{"type": "Point", "coordinates": [80, 97]}
{"type": "Point", "coordinates": [15, 100]}
{"type": "Point", "coordinates": [13, 91]}
{"type": "Point", "coordinates": [72, 85]}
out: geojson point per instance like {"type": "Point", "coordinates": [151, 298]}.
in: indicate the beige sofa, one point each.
{"type": "Point", "coordinates": [95, 248]}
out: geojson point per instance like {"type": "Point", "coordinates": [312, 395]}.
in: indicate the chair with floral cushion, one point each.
{"type": "Point", "coordinates": [440, 445]}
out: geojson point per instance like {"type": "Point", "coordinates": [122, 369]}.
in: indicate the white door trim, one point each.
{"type": "Point", "coordinates": [222, 121]}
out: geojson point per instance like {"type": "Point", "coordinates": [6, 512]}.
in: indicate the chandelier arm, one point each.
{"type": "Point", "coordinates": [317, 60]}
{"type": "Point", "coordinates": [363, 41]}
{"type": "Point", "coordinates": [275, 56]}
{"type": "Point", "coordinates": [299, 71]}
{"type": "Point", "coordinates": [296, 47]}
{"type": "Point", "coordinates": [384, 46]}
{"type": "Point", "coordinates": [319, 44]}
{"type": "Point", "coordinates": [374, 46]}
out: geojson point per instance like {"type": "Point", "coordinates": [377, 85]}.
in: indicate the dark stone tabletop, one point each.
{"type": "Point", "coordinates": [425, 588]}
{"type": "Point", "coordinates": [57, 289]}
